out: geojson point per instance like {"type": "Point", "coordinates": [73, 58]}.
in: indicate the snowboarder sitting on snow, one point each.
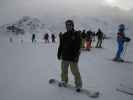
{"type": "Point", "coordinates": [10, 39]}
{"type": "Point", "coordinates": [99, 35]}
{"type": "Point", "coordinates": [121, 39]}
{"type": "Point", "coordinates": [68, 52]}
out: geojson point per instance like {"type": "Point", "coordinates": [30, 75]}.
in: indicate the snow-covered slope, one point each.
{"type": "Point", "coordinates": [25, 69]}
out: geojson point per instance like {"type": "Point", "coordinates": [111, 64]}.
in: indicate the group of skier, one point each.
{"type": "Point", "coordinates": [46, 38]}
{"type": "Point", "coordinates": [89, 36]}
{"type": "Point", "coordinates": [70, 45]}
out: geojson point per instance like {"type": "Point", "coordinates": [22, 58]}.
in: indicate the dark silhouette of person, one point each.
{"type": "Point", "coordinates": [53, 37]}
{"type": "Point", "coordinates": [99, 35]}
{"type": "Point", "coordinates": [46, 38]}
{"type": "Point", "coordinates": [33, 38]}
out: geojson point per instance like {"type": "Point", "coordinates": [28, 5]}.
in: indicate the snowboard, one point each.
{"type": "Point", "coordinates": [125, 89]}
{"type": "Point", "coordinates": [129, 62]}
{"type": "Point", "coordinates": [89, 93]}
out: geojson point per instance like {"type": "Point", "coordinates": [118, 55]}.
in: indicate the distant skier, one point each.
{"type": "Point", "coordinates": [99, 35]}
{"type": "Point", "coordinates": [53, 37]}
{"type": "Point", "coordinates": [121, 39]}
{"type": "Point", "coordinates": [88, 40]}
{"type": "Point", "coordinates": [68, 52]}
{"type": "Point", "coordinates": [93, 39]}
{"type": "Point", "coordinates": [33, 38]}
{"type": "Point", "coordinates": [46, 38]}
{"type": "Point", "coordinates": [83, 37]}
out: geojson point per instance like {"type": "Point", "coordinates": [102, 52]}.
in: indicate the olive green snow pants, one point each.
{"type": "Point", "coordinates": [74, 69]}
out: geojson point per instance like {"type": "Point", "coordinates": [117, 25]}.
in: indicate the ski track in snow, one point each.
{"type": "Point", "coordinates": [25, 69]}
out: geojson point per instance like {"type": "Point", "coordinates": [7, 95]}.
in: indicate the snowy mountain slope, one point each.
{"type": "Point", "coordinates": [26, 68]}
{"type": "Point", "coordinates": [27, 24]}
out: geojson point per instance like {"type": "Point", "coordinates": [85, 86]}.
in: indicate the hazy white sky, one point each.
{"type": "Point", "coordinates": [124, 4]}
{"type": "Point", "coordinates": [9, 9]}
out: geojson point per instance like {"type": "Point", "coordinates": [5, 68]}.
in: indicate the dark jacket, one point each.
{"type": "Point", "coordinates": [99, 35]}
{"type": "Point", "coordinates": [69, 47]}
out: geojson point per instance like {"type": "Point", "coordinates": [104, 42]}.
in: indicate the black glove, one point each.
{"type": "Point", "coordinates": [127, 39]}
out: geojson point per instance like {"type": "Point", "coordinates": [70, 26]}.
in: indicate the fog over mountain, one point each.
{"type": "Point", "coordinates": [86, 13]}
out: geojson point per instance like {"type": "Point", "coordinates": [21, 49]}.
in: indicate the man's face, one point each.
{"type": "Point", "coordinates": [69, 26]}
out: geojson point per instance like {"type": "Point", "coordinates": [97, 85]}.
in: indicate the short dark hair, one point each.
{"type": "Point", "coordinates": [69, 21]}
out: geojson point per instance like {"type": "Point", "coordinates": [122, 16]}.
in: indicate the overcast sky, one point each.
{"type": "Point", "coordinates": [11, 9]}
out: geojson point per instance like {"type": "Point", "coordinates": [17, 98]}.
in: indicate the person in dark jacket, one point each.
{"type": "Point", "coordinates": [99, 35]}
{"type": "Point", "coordinates": [68, 52]}
{"type": "Point", "coordinates": [33, 38]}
{"type": "Point", "coordinates": [53, 37]}
{"type": "Point", "coordinates": [46, 38]}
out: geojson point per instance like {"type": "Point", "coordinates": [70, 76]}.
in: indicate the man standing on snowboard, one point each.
{"type": "Point", "coordinates": [68, 52]}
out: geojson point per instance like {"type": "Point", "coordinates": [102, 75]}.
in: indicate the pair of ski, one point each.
{"type": "Point", "coordinates": [89, 93]}
{"type": "Point", "coordinates": [125, 89]}
{"type": "Point", "coordinates": [128, 62]}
